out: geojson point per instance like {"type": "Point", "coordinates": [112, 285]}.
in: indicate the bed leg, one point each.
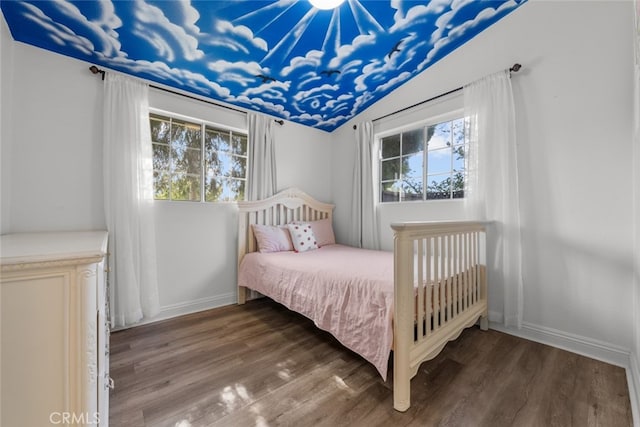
{"type": "Point", "coordinates": [242, 294]}
{"type": "Point", "coordinates": [484, 322]}
{"type": "Point", "coordinates": [401, 382]}
{"type": "Point", "coordinates": [401, 393]}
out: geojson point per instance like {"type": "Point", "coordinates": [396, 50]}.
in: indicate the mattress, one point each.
{"type": "Point", "coordinates": [344, 290]}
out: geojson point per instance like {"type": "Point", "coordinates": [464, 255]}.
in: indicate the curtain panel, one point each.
{"type": "Point", "coordinates": [261, 179]}
{"type": "Point", "coordinates": [129, 200]}
{"type": "Point", "coordinates": [636, 171]}
{"type": "Point", "coordinates": [363, 230]}
{"type": "Point", "coordinates": [491, 190]}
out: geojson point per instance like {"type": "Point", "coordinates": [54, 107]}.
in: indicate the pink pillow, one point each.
{"type": "Point", "coordinates": [271, 238]}
{"type": "Point", "coordinates": [302, 237]}
{"type": "Point", "coordinates": [323, 231]}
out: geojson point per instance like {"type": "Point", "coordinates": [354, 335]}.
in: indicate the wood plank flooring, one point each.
{"type": "Point", "coordinates": [262, 365]}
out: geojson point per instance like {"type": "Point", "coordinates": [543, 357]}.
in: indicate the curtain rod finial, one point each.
{"type": "Point", "coordinates": [516, 67]}
{"type": "Point", "coordinates": [96, 70]}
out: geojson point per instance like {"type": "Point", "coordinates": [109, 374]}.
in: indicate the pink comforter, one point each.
{"type": "Point", "coordinates": [345, 291]}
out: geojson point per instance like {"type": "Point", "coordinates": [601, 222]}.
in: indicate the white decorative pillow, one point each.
{"type": "Point", "coordinates": [302, 237]}
{"type": "Point", "coordinates": [271, 238]}
{"type": "Point", "coordinates": [323, 230]}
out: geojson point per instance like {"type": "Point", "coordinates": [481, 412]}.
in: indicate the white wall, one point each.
{"type": "Point", "coordinates": [574, 108]}
{"type": "Point", "coordinates": [55, 151]}
{"type": "Point", "coordinates": [303, 157]}
{"type": "Point", "coordinates": [56, 174]}
{"type": "Point", "coordinates": [575, 136]}
{"type": "Point", "coordinates": [6, 78]}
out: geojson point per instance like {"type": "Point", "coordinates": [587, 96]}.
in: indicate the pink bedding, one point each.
{"type": "Point", "coordinates": [354, 286]}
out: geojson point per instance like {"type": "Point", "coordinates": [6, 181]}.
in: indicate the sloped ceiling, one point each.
{"type": "Point", "coordinates": [284, 58]}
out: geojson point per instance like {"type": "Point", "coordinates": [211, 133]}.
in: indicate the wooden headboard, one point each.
{"type": "Point", "coordinates": [287, 206]}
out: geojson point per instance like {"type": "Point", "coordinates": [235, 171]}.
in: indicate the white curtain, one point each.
{"type": "Point", "coordinates": [261, 179]}
{"type": "Point", "coordinates": [636, 180]}
{"type": "Point", "coordinates": [491, 191]}
{"type": "Point", "coordinates": [363, 230]}
{"type": "Point", "coordinates": [128, 200]}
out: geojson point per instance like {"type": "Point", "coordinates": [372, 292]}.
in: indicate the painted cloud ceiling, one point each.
{"type": "Point", "coordinates": [284, 58]}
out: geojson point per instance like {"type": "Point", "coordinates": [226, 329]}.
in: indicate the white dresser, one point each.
{"type": "Point", "coordinates": [55, 337]}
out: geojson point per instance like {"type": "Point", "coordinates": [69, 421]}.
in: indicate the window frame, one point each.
{"type": "Point", "coordinates": [202, 169]}
{"type": "Point", "coordinates": [454, 114]}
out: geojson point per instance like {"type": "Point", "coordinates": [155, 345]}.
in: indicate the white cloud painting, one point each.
{"type": "Point", "coordinates": [284, 58]}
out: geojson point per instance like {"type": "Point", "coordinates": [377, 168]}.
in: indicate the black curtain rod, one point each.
{"type": "Point", "coordinates": [516, 67]}
{"type": "Point", "coordinates": [96, 70]}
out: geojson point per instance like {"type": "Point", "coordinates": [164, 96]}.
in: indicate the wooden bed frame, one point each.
{"type": "Point", "coordinates": [427, 313]}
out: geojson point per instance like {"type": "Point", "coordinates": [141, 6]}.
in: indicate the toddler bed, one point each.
{"type": "Point", "coordinates": [412, 301]}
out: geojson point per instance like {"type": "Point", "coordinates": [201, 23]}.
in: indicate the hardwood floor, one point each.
{"type": "Point", "coordinates": [262, 365]}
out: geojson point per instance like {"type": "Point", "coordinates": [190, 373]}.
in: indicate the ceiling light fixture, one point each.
{"type": "Point", "coordinates": [326, 4]}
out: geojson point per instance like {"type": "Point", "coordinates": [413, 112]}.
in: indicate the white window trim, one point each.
{"type": "Point", "coordinates": [206, 122]}
{"type": "Point", "coordinates": [444, 117]}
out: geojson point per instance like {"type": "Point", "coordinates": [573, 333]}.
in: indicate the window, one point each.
{"type": "Point", "coordinates": [196, 161]}
{"type": "Point", "coordinates": [433, 154]}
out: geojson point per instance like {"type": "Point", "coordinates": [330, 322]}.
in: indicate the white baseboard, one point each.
{"type": "Point", "coordinates": [633, 379]}
{"type": "Point", "coordinates": [194, 306]}
{"type": "Point", "coordinates": [188, 307]}
{"type": "Point", "coordinates": [589, 347]}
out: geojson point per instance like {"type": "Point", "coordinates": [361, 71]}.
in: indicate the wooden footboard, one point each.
{"type": "Point", "coordinates": [439, 265]}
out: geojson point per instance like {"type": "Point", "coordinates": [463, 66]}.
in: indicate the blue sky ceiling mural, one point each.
{"type": "Point", "coordinates": [284, 58]}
